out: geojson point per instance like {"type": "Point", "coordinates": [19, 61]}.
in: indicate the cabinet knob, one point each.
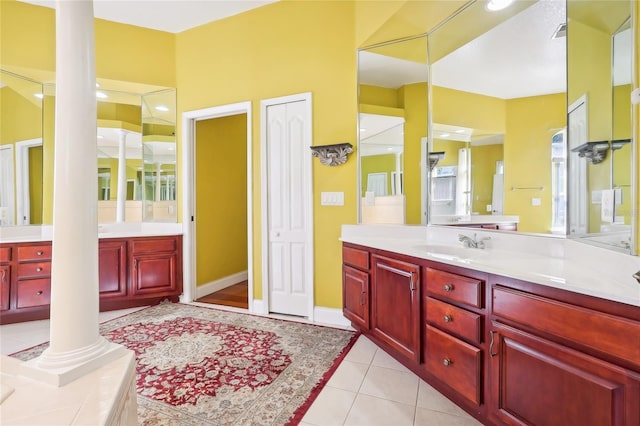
{"type": "Point", "coordinates": [447, 318]}
{"type": "Point", "coordinates": [447, 362]}
{"type": "Point", "coordinates": [38, 269]}
{"type": "Point", "coordinates": [448, 287]}
{"type": "Point", "coordinates": [39, 253]}
{"type": "Point", "coordinates": [39, 293]}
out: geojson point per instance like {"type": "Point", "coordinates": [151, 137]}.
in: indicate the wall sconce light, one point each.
{"type": "Point", "coordinates": [434, 158]}
{"type": "Point", "coordinates": [593, 152]}
{"type": "Point", "coordinates": [332, 155]}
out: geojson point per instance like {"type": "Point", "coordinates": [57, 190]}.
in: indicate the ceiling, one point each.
{"type": "Point", "coordinates": [172, 16]}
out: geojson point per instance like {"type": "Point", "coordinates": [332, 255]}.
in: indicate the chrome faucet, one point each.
{"type": "Point", "coordinates": [472, 242]}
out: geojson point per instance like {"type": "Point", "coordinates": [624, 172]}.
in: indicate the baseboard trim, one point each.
{"type": "Point", "coordinates": [330, 316]}
{"type": "Point", "coordinates": [217, 285]}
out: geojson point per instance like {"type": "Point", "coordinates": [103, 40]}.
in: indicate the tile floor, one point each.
{"type": "Point", "coordinates": [369, 388]}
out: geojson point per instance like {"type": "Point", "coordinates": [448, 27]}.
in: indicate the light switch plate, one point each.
{"type": "Point", "coordinates": [332, 198]}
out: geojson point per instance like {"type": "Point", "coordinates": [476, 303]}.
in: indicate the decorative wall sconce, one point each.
{"type": "Point", "coordinates": [593, 152]}
{"type": "Point", "coordinates": [332, 155]}
{"type": "Point", "coordinates": [434, 158]}
{"type": "Point", "coordinates": [619, 143]}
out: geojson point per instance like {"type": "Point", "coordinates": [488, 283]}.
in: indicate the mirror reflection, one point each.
{"type": "Point", "coordinates": [21, 153]}
{"type": "Point", "coordinates": [506, 150]}
{"type": "Point", "coordinates": [496, 124]}
{"type": "Point", "coordinates": [136, 161]}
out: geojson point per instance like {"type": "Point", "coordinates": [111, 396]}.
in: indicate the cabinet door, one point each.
{"type": "Point", "coordinates": [355, 296]}
{"type": "Point", "coordinates": [5, 283]}
{"type": "Point", "coordinates": [112, 268]}
{"type": "Point", "coordinates": [154, 274]}
{"type": "Point", "coordinates": [395, 305]}
{"type": "Point", "coordinates": [537, 382]}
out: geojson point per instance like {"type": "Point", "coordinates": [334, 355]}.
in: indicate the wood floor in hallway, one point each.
{"type": "Point", "coordinates": [236, 295]}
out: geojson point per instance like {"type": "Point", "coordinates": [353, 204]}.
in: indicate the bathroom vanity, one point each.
{"type": "Point", "coordinates": [513, 334]}
{"type": "Point", "coordinates": [133, 271]}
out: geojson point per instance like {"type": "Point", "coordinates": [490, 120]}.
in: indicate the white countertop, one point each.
{"type": "Point", "coordinates": [547, 260]}
{"type": "Point", "coordinates": [32, 233]}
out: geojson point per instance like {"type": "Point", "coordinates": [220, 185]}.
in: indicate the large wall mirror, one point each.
{"type": "Point", "coordinates": [507, 148]}
{"type": "Point", "coordinates": [136, 153]}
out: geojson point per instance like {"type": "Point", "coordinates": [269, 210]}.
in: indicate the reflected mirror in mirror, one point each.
{"type": "Point", "coordinates": [119, 157]}
{"type": "Point", "coordinates": [600, 123]}
{"type": "Point", "coordinates": [159, 154]}
{"type": "Point", "coordinates": [392, 96]}
{"type": "Point", "coordinates": [21, 150]}
{"type": "Point", "coordinates": [498, 100]}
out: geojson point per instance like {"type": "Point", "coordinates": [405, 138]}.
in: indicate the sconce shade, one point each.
{"type": "Point", "coordinates": [332, 155]}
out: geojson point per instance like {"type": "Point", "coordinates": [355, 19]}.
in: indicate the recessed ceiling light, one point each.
{"type": "Point", "coordinates": [495, 5]}
{"type": "Point", "coordinates": [97, 85]}
{"type": "Point", "coordinates": [460, 131]}
{"type": "Point", "coordinates": [100, 137]}
{"type": "Point", "coordinates": [162, 108]}
{"type": "Point", "coordinates": [101, 95]}
{"type": "Point", "coordinates": [445, 135]}
{"type": "Point", "coordinates": [38, 95]}
{"type": "Point", "coordinates": [363, 130]}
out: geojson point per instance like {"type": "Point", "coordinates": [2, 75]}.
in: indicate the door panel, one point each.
{"type": "Point", "coordinates": [288, 227]}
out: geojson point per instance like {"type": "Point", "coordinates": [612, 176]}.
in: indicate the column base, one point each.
{"type": "Point", "coordinates": [61, 369]}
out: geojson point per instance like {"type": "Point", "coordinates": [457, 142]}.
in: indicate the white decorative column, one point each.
{"type": "Point", "coordinates": [122, 177]}
{"type": "Point", "coordinates": [76, 347]}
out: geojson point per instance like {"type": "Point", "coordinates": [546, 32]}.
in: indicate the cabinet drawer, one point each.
{"type": "Point", "coordinates": [454, 320]}
{"type": "Point", "coordinates": [602, 332]}
{"type": "Point", "coordinates": [154, 245]}
{"type": "Point", "coordinates": [455, 287]}
{"type": "Point", "coordinates": [34, 292]}
{"type": "Point", "coordinates": [455, 363]}
{"type": "Point", "coordinates": [355, 257]}
{"type": "Point", "coordinates": [34, 269]}
{"type": "Point", "coordinates": [5, 254]}
{"type": "Point", "coordinates": [40, 252]}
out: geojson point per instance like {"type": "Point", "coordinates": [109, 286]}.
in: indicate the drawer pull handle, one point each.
{"type": "Point", "coordinates": [4, 274]}
{"type": "Point", "coordinates": [491, 354]}
{"type": "Point", "coordinates": [39, 293]}
{"type": "Point", "coordinates": [448, 287]}
{"type": "Point", "coordinates": [39, 252]}
{"type": "Point", "coordinates": [38, 269]}
{"type": "Point", "coordinates": [447, 362]}
{"type": "Point", "coordinates": [447, 318]}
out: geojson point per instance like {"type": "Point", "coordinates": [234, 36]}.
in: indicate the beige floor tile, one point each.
{"type": "Point", "coordinates": [371, 411]}
{"type": "Point", "coordinates": [348, 376]}
{"type": "Point", "coordinates": [391, 384]}
{"type": "Point", "coordinates": [431, 399]}
{"type": "Point", "coordinates": [362, 351]}
{"type": "Point", "coordinates": [383, 359]}
{"type": "Point", "coordinates": [426, 417]}
{"type": "Point", "coordinates": [330, 407]}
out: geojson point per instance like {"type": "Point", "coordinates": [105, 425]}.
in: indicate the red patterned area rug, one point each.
{"type": "Point", "coordinates": [205, 366]}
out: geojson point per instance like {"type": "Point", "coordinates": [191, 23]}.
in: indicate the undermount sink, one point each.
{"type": "Point", "coordinates": [448, 252]}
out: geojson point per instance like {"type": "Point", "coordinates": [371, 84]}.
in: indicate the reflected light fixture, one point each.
{"type": "Point", "coordinates": [38, 95]}
{"type": "Point", "coordinates": [101, 95]}
{"type": "Point", "coordinates": [162, 108]}
{"type": "Point", "coordinates": [495, 5]}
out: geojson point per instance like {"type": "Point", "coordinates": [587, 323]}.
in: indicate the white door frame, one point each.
{"type": "Point", "coordinates": [23, 204]}
{"type": "Point", "coordinates": [7, 184]}
{"type": "Point", "coordinates": [308, 201]}
{"type": "Point", "coordinates": [577, 189]}
{"type": "Point", "coordinates": [189, 119]}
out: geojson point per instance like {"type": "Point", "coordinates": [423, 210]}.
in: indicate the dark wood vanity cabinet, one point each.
{"type": "Point", "coordinates": [395, 305]}
{"type": "Point", "coordinates": [508, 352]}
{"type": "Point", "coordinates": [562, 359]}
{"type": "Point", "coordinates": [355, 288]}
{"type": "Point", "coordinates": [131, 272]}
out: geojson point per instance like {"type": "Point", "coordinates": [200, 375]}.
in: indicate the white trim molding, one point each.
{"type": "Point", "coordinates": [189, 119]}
{"type": "Point", "coordinates": [330, 316]}
{"type": "Point", "coordinates": [222, 283]}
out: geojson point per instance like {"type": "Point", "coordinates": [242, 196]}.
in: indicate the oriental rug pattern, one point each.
{"type": "Point", "coordinates": [204, 366]}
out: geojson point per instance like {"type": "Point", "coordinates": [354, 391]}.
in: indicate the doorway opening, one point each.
{"type": "Point", "coordinates": [217, 204]}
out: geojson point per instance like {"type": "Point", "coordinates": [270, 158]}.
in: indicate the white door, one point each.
{"type": "Point", "coordinates": [289, 260]}
{"type": "Point", "coordinates": [578, 182]}
{"type": "Point", "coordinates": [7, 192]}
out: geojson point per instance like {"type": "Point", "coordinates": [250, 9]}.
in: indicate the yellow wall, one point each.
{"type": "Point", "coordinates": [375, 95]}
{"type": "Point", "coordinates": [281, 49]}
{"type": "Point", "coordinates": [221, 197]}
{"type": "Point", "coordinates": [531, 122]}
{"type": "Point", "coordinates": [458, 108]}
{"type": "Point", "coordinates": [35, 185]}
